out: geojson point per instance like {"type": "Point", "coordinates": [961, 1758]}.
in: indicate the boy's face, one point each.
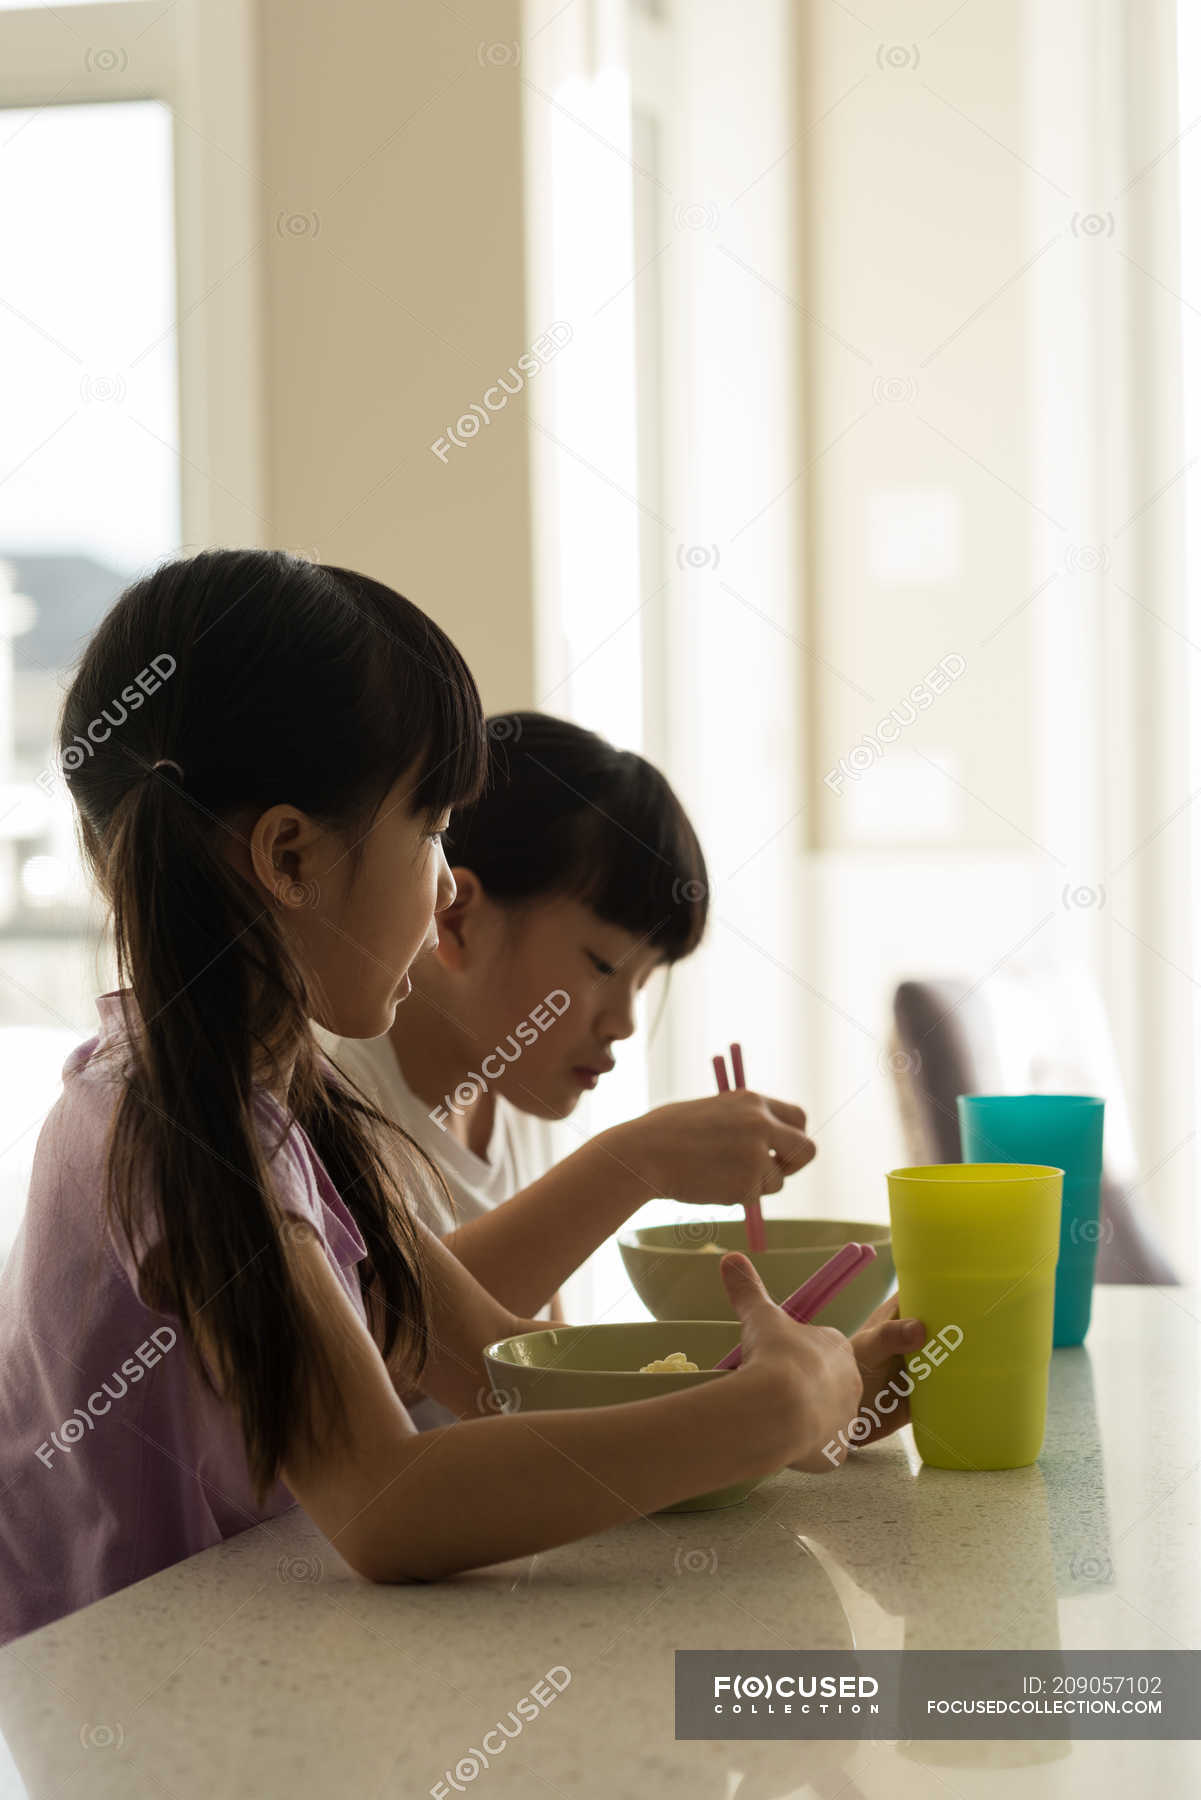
{"type": "Point", "coordinates": [500, 965]}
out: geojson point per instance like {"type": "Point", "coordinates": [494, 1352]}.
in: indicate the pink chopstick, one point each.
{"type": "Point", "coordinates": [817, 1292]}
{"type": "Point", "coordinates": [756, 1234]}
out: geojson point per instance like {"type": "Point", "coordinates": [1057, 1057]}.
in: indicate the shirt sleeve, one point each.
{"type": "Point", "coordinates": [296, 1191]}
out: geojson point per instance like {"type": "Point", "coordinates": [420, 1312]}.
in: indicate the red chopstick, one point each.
{"type": "Point", "coordinates": [818, 1291]}
{"type": "Point", "coordinates": [756, 1234]}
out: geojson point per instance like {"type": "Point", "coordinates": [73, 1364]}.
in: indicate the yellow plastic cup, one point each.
{"type": "Point", "coordinates": [975, 1246]}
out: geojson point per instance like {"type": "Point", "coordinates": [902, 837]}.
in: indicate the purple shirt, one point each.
{"type": "Point", "coordinates": [115, 1460]}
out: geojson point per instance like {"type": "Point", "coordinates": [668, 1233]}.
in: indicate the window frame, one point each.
{"type": "Point", "coordinates": [199, 61]}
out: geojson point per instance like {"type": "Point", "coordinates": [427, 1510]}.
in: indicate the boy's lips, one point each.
{"type": "Point", "coordinates": [588, 1074]}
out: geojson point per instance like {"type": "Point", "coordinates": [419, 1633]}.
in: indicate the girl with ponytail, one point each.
{"type": "Point", "coordinates": [221, 1291]}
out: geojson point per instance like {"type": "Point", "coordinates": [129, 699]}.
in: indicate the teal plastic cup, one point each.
{"type": "Point", "coordinates": [1064, 1131]}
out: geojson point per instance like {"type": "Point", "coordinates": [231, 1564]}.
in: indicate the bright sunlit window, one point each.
{"type": "Point", "coordinates": [89, 495]}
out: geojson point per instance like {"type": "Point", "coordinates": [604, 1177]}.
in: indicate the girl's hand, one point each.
{"type": "Point", "coordinates": [880, 1347]}
{"type": "Point", "coordinates": [811, 1369]}
{"type": "Point", "coordinates": [723, 1150]}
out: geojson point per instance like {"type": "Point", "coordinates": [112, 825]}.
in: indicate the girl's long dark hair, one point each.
{"type": "Point", "coordinates": [266, 679]}
{"type": "Point", "coordinates": [566, 813]}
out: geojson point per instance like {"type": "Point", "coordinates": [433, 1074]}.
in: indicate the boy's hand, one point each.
{"type": "Point", "coordinates": [725, 1149]}
{"type": "Point", "coordinates": [880, 1347]}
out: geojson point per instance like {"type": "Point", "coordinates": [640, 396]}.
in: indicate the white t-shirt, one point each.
{"type": "Point", "coordinates": [520, 1149]}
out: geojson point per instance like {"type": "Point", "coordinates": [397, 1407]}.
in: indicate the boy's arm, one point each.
{"type": "Point", "coordinates": [716, 1151]}
{"type": "Point", "coordinates": [524, 1249]}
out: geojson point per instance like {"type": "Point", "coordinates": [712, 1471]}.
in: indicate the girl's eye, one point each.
{"type": "Point", "coordinates": [599, 963]}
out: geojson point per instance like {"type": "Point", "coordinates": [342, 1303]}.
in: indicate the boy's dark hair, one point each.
{"type": "Point", "coordinates": [565, 812]}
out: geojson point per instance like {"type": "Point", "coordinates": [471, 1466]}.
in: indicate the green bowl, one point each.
{"type": "Point", "coordinates": [676, 1277]}
{"type": "Point", "coordinates": [599, 1365]}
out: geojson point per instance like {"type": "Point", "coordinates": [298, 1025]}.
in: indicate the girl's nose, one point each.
{"type": "Point", "coordinates": [448, 891]}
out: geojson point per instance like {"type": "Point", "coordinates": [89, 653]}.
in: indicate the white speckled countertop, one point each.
{"type": "Point", "coordinates": [264, 1668]}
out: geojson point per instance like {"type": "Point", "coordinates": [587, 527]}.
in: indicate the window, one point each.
{"type": "Point", "coordinates": [119, 229]}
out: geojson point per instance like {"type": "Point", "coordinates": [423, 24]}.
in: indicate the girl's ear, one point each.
{"type": "Point", "coordinates": [459, 924]}
{"type": "Point", "coordinates": [280, 848]}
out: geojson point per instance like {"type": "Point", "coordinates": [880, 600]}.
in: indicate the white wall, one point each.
{"type": "Point", "coordinates": [990, 394]}
{"type": "Point", "coordinates": [392, 196]}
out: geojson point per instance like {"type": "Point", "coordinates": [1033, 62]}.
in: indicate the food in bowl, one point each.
{"type": "Point", "coordinates": [670, 1365]}
{"type": "Point", "coordinates": [675, 1283]}
{"type": "Point", "coordinates": [603, 1365]}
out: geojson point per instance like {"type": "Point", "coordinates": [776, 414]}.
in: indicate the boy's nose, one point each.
{"type": "Point", "coordinates": [616, 1022]}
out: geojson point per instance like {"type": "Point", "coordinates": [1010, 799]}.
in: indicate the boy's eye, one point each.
{"type": "Point", "coordinates": [599, 963]}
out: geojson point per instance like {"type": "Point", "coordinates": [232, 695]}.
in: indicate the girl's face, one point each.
{"type": "Point", "coordinates": [355, 931]}
{"type": "Point", "coordinates": [499, 968]}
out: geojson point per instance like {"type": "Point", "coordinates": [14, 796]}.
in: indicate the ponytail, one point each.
{"type": "Point", "coordinates": [223, 1008]}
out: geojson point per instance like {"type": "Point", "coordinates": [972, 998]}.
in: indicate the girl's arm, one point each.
{"type": "Point", "coordinates": [463, 1318]}
{"type": "Point", "coordinates": [716, 1151]}
{"type": "Point", "coordinates": [401, 1505]}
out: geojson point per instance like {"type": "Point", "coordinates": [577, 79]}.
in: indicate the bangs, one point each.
{"type": "Point", "coordinates": [640, 867]}
{"type": "Point", "coordinates": [454, 762]}
{"type": "Point", "coordinates": [420, 682]}
{"type": "Point", "coordinates": [566, 813]}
